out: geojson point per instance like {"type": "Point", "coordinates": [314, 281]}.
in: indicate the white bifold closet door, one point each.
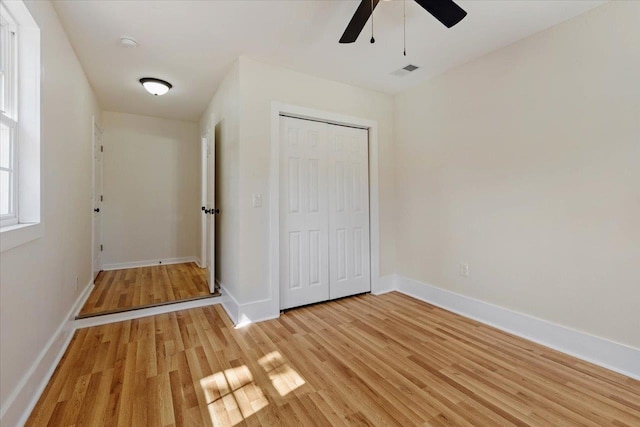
{"type": "Point", "coordinates": [324, 212]}
{"type": "Point", "coordinates": [349, 271]}
{"type": "Point", "coordinates": [304, 213]}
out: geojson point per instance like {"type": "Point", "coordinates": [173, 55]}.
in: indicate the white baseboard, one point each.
{"type": "Point", "coordinates": [229, 303]}
{"type": "Point", "coordinates": [18, 406]}
{"type": "Point", "coordinates": [245, 313]}
{"type": "Point", "coordinates": [599, 351]}
{"type": "Point", "coordinates": [148, 263]}
{"type": "Point", "coordinates": [257, 311]}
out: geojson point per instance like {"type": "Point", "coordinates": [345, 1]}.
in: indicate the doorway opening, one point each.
{"type": "Point", "coordinates": [169, 189]}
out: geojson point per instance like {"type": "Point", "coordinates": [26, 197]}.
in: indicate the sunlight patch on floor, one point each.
{"type": "Point", "coordinates": [232, 396]}
{"type": "Point", "coordinates": [243, 322]}
{"type": "Point", "coordinates": [283, 377]}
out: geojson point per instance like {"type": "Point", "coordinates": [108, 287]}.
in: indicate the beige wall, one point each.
{"type": "Point", "coordinates": [37, 279]}
{"type": "Point", "coordinates": [151, 188]}
{"type": "Point", "coordinates": [225, 105]}
{"type": "Point", "coordinates": [260, 84]}
{"type": "Point", "coordinates": [525, 164]}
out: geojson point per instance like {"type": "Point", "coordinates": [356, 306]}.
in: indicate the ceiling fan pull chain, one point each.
{"type": "Point", "coordinates": [404, 25]}
{"type": "Point", "coordinates": [372, 39]}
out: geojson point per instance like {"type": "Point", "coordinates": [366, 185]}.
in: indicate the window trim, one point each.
{"type": "Point", "coordinates": [12, 72]}
{"type": "Point", "coordinates": [8, 117]}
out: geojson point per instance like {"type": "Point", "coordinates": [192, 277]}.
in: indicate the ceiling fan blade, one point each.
{"type": "Point", "coordinates": [358, 21]}
{"type": "Point", "coordinates": [445, 11]}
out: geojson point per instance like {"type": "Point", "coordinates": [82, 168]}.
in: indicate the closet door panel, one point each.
{"type": "Point", "coordinates": [304, 221]}
{"type": "Point", "coordinates": [349, 254]}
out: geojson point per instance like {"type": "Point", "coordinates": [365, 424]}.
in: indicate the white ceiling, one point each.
{"type": "Point", "coordinates": [193, 43]}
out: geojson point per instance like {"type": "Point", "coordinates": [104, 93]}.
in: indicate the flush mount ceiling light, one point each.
{"type": "Point", "coordinates": [155, 86]}
{"type": "Point", "coordinates": [128, 42]}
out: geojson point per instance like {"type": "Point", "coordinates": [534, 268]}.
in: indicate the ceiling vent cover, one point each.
{"type": "Point", "coordinates": [405, 70]}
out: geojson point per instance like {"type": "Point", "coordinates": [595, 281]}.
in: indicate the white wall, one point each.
{"type": "Point", "coordinates": [37, 279]}
{"type": "Point", "coordinates": [151, 188]}
{"type": "Point", "coordinates": [525, 164]}
{"type": "Point", "coordinates": [260, 84]}
{"type": "Point", "coordinates": [225, 105]}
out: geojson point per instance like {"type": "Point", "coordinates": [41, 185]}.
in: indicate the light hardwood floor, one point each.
{"type": "Point", "coordinates": [366, 360]}
{"type": "Point", "coordinates": [131, 288]}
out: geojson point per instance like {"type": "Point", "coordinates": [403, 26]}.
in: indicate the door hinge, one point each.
{"type": "Point", "coordinates": [101, 198]}
{"type": "Point", "coordinates": [101, 248]}
{"type": "Point", "coordinates": [102, 148]}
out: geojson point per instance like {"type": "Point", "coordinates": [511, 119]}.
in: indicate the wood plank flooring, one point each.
{"type": "Point", "coordinates": [131, 288]}
{"type": "Point", "coordinates": [366, 360]}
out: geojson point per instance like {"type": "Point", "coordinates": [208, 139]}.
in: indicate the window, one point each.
{"type": "Point", "coordinates": [19, 126]}
{"type": "Point", "coordinates": [8, 120]}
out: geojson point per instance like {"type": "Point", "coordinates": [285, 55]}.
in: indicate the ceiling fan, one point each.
{"type": "Point", "coordinates": [445, 11]}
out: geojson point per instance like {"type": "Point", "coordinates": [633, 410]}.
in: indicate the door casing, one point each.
{"type": "Point", "coordinates": [208, 249]}
{"type": "Point", "coordinates": [202, 259]}
{"type": "Point", "coordinates": [96, 202]}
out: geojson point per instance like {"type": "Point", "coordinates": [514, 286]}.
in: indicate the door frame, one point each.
{"type": "Point", "coordinates": [278, 109]}
{"type": "Point", "coordinates": [207, 151]}
{"type": "Point", "coordinates": [202, 259]}
{"type": "Point", "coordinates": [94, 125]}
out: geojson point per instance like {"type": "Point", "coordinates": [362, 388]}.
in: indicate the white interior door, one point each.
{"type": "Point", "coordinates": [97, 200]}
{"type": "Point", "coordinates": [349, 257]}
{"type": "Point", "coordinates": [304, 222]}
{"type": "Point", "coordinates": [211, 219]}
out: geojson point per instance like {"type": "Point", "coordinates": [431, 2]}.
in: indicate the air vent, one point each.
{"type": "Point", "coordinates": [405, 70]}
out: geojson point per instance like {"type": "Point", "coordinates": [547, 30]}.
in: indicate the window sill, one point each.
{"type": "Point", "coordinates": [12, 236]}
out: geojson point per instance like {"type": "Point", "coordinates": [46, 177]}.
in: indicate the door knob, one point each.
{"type": "Point", "coordinates": [215, 211]}
{"type": "Point", "coordinates": [207, 210]}
{"type": "Point", "coordinates": [96, 210]}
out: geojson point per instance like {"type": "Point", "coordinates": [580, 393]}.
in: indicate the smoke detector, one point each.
{"type": "Point", "coordinates": [128, 42]}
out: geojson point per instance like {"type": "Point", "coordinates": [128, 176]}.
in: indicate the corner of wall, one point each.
{"type": "Point", "coordinates": [244, 313]}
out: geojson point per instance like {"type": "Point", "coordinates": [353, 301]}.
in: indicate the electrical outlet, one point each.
{"type": "Point", "coordinates": [257, 200]}
{"type": "Point", "coordinates": [464, 269]}
{"type": "Point", "coordinates": [75, 287]}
